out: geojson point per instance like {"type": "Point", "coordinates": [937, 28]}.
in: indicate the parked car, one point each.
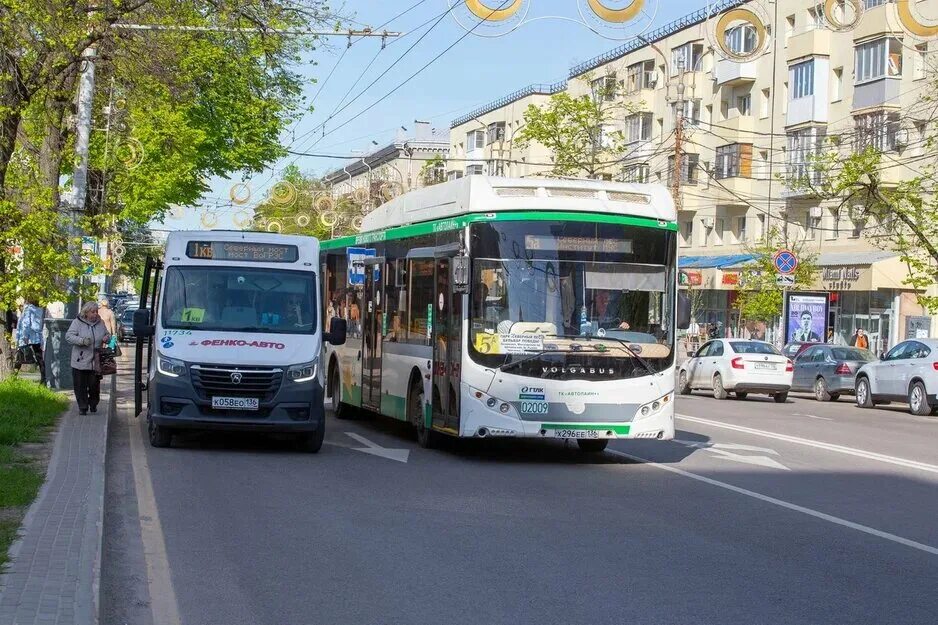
{"type": "Point", "coordinates": [796, 348]}
{"type": "Point", "coordinates": [829, 370]}
{"type": "Point", "coordinates": [738, 366]}
{"type": "Point", "coordinates": [906, 373]}
{"type": "Point", "coordinates": [125, 328]}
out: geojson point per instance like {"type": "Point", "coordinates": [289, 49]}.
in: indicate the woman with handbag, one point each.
{"type": "Point", "coordinates": [29, 338]}
{"type": "Point", "coordinates": [87, 336]}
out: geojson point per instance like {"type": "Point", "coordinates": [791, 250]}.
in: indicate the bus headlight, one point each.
{"type": "Point", "coordinates": [170, 366]}
{"type": "Point", "coordinates": [304, 372]}
{"type": "Point", "coordinates": [656, 406]}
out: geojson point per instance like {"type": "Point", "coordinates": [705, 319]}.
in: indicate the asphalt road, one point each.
{"type": "Point", "coordinates": [760, 513]}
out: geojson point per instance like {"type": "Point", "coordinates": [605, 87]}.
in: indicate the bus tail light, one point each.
{"type": "Point", "coordinates": [738, 363]}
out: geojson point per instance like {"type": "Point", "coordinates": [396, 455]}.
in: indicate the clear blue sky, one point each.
{"type": "Point", "coordinates": [476, 71]}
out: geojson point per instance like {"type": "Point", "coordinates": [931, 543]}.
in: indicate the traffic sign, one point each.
{"type": "Point", "coordinates": [785, 261]}
{"type": "Point", "coordinates": [785, 280]}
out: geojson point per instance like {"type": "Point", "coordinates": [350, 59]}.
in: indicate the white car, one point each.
{"type": "Point", "coordinates": [906, 373]}
{"type": "Point", "coordinates": [738, 366]}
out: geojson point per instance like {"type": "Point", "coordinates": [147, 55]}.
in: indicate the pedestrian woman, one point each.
{"type": "Point", "coordinates": [87, 336]}
{"type": "Point", "coordinates": [29, 337]}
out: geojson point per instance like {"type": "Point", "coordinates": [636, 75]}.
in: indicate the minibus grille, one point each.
{"type": "Point", "coordinates": [220, 380]}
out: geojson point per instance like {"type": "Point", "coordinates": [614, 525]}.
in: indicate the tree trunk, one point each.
{"type": "Point", "coordinates": [51, 153]}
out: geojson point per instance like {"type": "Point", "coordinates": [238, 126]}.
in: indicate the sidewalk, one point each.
{"type": "Point", "coordinates": [54, 573]}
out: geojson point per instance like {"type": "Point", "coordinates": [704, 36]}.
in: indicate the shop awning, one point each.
{"type": "Point", "coordinates": [836, 259]}
{"type": "Point", "coordinates": [707, 262]}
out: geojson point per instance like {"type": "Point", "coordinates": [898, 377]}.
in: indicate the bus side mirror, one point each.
{"type": "Point", "coordinates": [683, 311]}
{"type": "Point", "coordinates": [336, 334]}
{"type": "Point", "coordinates": [460, 266]}
{"type": "Point", "coordinates": [142, 325]}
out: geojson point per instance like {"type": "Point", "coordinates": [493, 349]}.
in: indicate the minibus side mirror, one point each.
{"type": "Point", "coordinates": [142, 326]}
{"type": "Point", "coordinates": [336, 334]}
{"type": "Point", "coordinates": [683, 311]}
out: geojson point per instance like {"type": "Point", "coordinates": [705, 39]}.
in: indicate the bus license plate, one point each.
{"type": "Point", "coordinates": [576, 434]}
{"type": "Point", "coordinates": [765, 365]}
{"type": "Point", "coordinates": [236, 403]}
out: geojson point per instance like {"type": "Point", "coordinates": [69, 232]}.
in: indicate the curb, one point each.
{"type": "Point", "coordinates": [99, 498]}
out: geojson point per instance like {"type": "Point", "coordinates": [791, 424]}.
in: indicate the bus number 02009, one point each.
{"type": "Point", "coordinates": [535, 407]}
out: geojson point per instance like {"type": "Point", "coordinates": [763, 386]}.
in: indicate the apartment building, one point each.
{"type": "Point", "coordinates": [751, 127]}
{"type": "Point", "coordinates": [399, 164]}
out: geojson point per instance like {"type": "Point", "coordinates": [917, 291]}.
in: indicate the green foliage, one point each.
{"type": "Point", "coordinates": [27, 410]}
{"type": "Point", "coordinates": [430, 173]}
{"type": "Point", "coordinates": [576, 131]}
{"type": "Point", "coordinates": [312, 208]}
{"type": "Point", "coordinates": [759, 297]}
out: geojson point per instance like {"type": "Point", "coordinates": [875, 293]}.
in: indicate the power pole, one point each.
{"type": "Point", "coordinates": [676, 174]}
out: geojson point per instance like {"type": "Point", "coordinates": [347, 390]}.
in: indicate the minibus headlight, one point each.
{"type": "Point", "coordinates": [170, 366]}
{"type": "Point", "coordinates": [304, 372]}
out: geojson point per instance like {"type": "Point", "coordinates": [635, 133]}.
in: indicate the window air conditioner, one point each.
{"type": "Point", "coordinates": [707, 222]}
{"type": "Point", "coordinates": [817, 212]}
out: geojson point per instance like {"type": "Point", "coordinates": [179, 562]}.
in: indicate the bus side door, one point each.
{"type": "Point", "coordinates": [447, 350]}
{"type": "Point", "coordinates": [372, 317]}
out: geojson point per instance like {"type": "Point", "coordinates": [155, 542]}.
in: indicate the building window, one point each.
{"type": "Point", "coordinates": [744, 105]}
{"type": "Point", "coordinates": [687, 233]}
{"type": "Point", "coordinates": [496, 167]}
{"type": "Point", "coordinates": [741, 236]}
{"type": "Point", "coordinates": [639, 173]}
{"type": "Point", "coordinates": [475, 140]}
{"type": "Point", "coordinates": [741, 39]}
{"type": "Point", "coordinates": [640, 76]}
{"type": "Point", "coordinates": [454, 175]}
{"type": "Point", "coordinates": [837, 88]}
{"type": "Point", "coordinates": [718, 231]}
{"type": "Point", "coordinates": [495, 132]}
{"type": "Point", "coordinates": [689, 164]}
{"type": "Point", "coordinates": [475, 170]}
{"type": "Point", "coordinates": [686, 57]}
{"type": "Point", "coordinates": [802, 80]}
{"type": "Point", "coordinates": [733, 160]}
{"type": "Point", "coordinates": [815, 18]}
{"type": "Point", "coordinates": [878, 59]}
{"type": "Point", "coordinates": [638, 127]}
{"type": "Point", "coordinates": [691, 113]}
{"type": "Point", "coordinates": [876, 130]}
{"type": "Point", "coordinates": [804, 145]}
{"type": "Point", "coordinates": [764, 103]}
{"type": "Point", "coordinates": [869, 4]}
{"type": "Point", "coordinates": [604, 88]}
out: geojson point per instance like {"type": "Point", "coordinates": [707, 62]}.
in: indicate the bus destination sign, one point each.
{"type": "Point", "coordinates": [242, 251]}
{"type": "Point", "coordinates": [577, 244]}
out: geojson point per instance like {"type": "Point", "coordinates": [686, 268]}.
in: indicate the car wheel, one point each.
{"type": "Point", "coordinates": [719, 392]}
{"type": "Point", "coordinates": [918, 400]}
{"type": "Point", "coordinates": [592, 445]}
{"type": "Point", "coordinates": [780, 398]}
{"type": "Point", "coordinates": [742, 395]}
{"type": "Point", "coordinates": [821, 393]}
{"type": "Point", "coordinates": [683, 386]}
{"type": "Point", "coordinates": [864, 396]}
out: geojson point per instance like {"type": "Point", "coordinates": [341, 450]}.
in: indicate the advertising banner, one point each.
{"type": "Point", "coordinates": [806, 317]}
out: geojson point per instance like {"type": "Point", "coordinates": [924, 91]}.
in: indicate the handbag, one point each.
{"type": "Point", "coordinates": [26, 355]}
{"type": "Point", "coordinates": [108, 365]}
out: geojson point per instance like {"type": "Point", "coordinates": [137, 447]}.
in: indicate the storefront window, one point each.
{"type": "Point", "coordinates": [870, 310]}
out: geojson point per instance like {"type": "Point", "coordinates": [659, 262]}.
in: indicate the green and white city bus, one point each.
{"type": "Point", "coordinates": [487, 307]}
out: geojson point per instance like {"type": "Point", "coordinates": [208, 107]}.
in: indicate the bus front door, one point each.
{"type": "Point", "coordinates": [447, 352]}
{"type": "Point", "coordinates": [372, 335]}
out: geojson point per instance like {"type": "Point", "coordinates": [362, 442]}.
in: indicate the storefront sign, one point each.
{"type": "Point", "coordinates": [731, 278]}
{"type": "Point", "coordinates": [806, 317]}
{"type": "Point", "coordinates": [840, 278]}
{"type": "Point", "coordinates": [690, 278]}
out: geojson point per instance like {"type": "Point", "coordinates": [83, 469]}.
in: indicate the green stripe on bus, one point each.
{"type": "Point", "coordinates": [618, 429]}
{"type": "Point", "coordinates": [456, 223]}
{"type": "Point", "coordinates": [394, 406]}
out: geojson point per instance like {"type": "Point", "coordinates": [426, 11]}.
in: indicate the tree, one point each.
{"type": "Point", "coordinates": [759, 297]}
{"type": "Point", "coordinates": [578, 131]}
{"type": "Point", "coordinates": [433, 171]}
{"type": "Point", "coordinates": [888, 187]}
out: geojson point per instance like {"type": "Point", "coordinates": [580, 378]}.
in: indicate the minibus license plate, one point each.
{"type": "Point", "coordinates": [576, 434]}
{"type": "Point", "coordinates": [236, 403]}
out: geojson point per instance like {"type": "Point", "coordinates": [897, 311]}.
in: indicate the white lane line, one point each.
{"type": "Point", "coordinates": [810, 416]}
{"type": "Point", "coordinates": [163, 604]}
{"type": "Point", "coordinates": [872, 531]}
{"type": "Point", "coordinates": [850, 451]}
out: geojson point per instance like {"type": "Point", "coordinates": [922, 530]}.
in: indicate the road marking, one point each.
{"type": "Point", "coordinates": [810, 416]}
{"type": "Point", "coordinates": [850, 451]}
{"type": "Point", "coordinates": [375, 449]}
{"type": "Point", "coordinates": [163, 605]}
{"type": "Point", "coordinates": [723, 451]}
{"type": "Point", "coordinates": [872, 531]}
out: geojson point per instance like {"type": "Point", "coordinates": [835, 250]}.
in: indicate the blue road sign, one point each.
{"type": "Point", "coordinates": [785, 262]}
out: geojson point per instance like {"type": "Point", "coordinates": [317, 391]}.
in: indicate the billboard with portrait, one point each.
{"type": "Point", "coordinates": [806, 317]}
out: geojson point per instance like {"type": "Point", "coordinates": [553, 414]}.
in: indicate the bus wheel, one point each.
{"type": "Point", "coordinates": [426, 437]}
{"type": "Point", "coordinates": [592, 445]}
{"type": "Point", "coordinates": [159, 436]}
{"type": "Point", "coordinates": [339, 408]}
{"type": "Point", "coordinates": [312, 442]}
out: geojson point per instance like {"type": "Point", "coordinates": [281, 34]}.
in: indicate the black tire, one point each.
{"type": "Point", "coordinates": [741, 396]}
{"type": "Point", "coordinates": [312, 441]}
{"type": "Point", "coordinates": [683, 386]}
{"type": "Point", "coordinates": [592, 445]}
{"type": "Point", "coordinates": [864, 394]}
{"type": "Point", "coordinates": [339, 408]}
{"type": "Point", "coordinates": [426, 437]}
{"type": "Point", "coordinates": [780, 398]}
{"type": "Point", "coordinates": [158, 435]}
{"type": "Point", "coordinates": [918, 400]}
{"type": "Point", "coordinates": [719, 392]}
{"type": "Point", "coordinates": [821, 392]}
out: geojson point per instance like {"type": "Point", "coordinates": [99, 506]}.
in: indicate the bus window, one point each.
{"type": "Point", "coordinates": [421, 300]}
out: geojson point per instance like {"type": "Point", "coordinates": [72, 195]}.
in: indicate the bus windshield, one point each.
{"type": "Point", "coordinates": [240, 299]}
{"type": "Point", "coordinates": [556, 287]}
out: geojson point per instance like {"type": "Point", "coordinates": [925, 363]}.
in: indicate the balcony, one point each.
{"type": "Point", "coordinates": [744, 124]}
{"type": "Point", "coordinates": [733, 190]}
{"type": "Point", "coordinates": [876, 93]}
{"type": "Point", "coordinates": [815, 42]}
{"type": "Point", "coordinates": [881, 20]}
{"type": "Point", "coordinates": [732, 73]}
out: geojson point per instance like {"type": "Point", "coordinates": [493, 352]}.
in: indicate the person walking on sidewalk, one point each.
{"type": "Point", "coordinates": [29, 338]}
{"type": "Point", "coordinates": [107, 316]}
{"type": "Point", "coordinates": [87, 336]}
